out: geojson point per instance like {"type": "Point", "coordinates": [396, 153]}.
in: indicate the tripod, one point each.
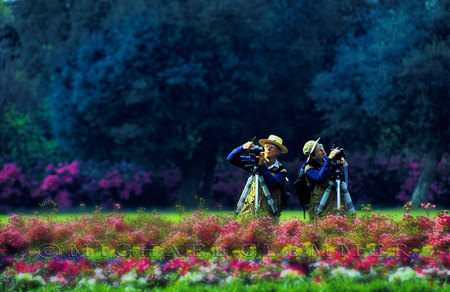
{"type": "Point", "coordinates": [259, 180]}
{"type": "Point", "coordinates": [339, 181]}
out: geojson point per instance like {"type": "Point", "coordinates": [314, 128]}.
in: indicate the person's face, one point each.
{"type": "Point", "coordinates": [319, 152]}
{"type": "Point", "coordinates": [271, 150]}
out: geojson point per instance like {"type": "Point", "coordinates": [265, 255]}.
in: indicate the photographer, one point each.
{"type": "Point", "coordinates": [269, 168]}
{"type": "Point", "coordinates": [319, 170]}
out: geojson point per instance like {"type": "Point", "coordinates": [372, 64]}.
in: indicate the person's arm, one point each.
{"type": "Point", "coordinates": [235, 158]}
{"type": "Point", "coordinates": [319, 176]}
{"type": "Point", "coordinates": [272, 181]}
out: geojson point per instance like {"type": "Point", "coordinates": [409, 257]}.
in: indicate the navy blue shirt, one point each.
{"type": "Point", "coordinates": [318, 176]}
{"type": "Point", "coordinates": [272, 180]}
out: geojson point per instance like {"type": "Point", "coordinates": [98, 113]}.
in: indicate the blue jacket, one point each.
{"type": "Point", "coordinates": [319, 176]}
{"type": "Point", "coordinates": [272, 180]}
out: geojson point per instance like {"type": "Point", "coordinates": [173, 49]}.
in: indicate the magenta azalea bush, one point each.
{"type": "Point", "coordinates": [94, 184]}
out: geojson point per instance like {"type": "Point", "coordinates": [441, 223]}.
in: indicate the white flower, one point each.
{"type": "Point", "coordinates": [99, 274]}
{"type": "Point", "coordinates": [128, 278]}
{"type": "Point", "coordinates": [211, 277]}
{"type": "Point", "coordinates": [342, 272]}
{"type": "Point", "coordinates": [86, 282]}
{"type": "Point", "coordinates": [321, 265]}
{"type": "Point", "coordinates": [403, 274]}
{"type": "Point", "coordinates": [158, 272]}
{"type": "Point", "coordinates": [230, 279]}
{"type": "Point", "coordinates": [91, 282]}
{"type": "Point", "coordinates": [24, 276]}
{"type": "Point", "coordinates": [289, 273]}
{"type": "Point", "coordinates": [39, 280]}
{"type": "Point", "coordinates": [192, 277]}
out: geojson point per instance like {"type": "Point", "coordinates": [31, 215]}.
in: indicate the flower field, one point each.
{"type": "Point", "coordinates": [107, 251]}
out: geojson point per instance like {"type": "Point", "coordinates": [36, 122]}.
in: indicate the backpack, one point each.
{"type": "Point", "coordinates": [285, 195]}
{"type": "Point", "coordinates": [302, 189]}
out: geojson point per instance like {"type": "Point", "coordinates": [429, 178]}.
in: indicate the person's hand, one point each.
{"type": "Point", "coordinates": [343, 162]}
{"type": "Point", "coordinates": [333, 153]}
{"type": "Point", "coordinates": [248, 145]}
{"type": "Point", "coordinates": [262, 158]}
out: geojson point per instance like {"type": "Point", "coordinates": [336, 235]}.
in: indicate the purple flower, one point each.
{"type": "Point", "coordinates": [51, 183]}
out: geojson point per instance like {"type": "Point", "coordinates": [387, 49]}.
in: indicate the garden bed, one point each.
{"type": "Point", "coordinates": [104, 251]}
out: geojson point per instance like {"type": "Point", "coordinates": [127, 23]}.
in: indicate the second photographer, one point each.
{"type": "Point", "coordinates": [319, 171]}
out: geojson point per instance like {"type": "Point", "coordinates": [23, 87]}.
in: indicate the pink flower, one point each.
{"type": "Point", "coordinates": [63, 199]}
{"type": "Point", "coordinates": [105, 183]}
{"type": "Point", "coordinates": [51, 183]}
{"type": "Point", "coordinates": [11, 173]}
{"type": "Point", "coordinates": [50, 168]}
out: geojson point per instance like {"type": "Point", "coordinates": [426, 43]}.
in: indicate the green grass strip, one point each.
{"type": "Point", "coordinates": [174, 216]}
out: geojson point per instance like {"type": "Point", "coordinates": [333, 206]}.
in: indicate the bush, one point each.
{"type": "Point", "coordinates": [105, 184]}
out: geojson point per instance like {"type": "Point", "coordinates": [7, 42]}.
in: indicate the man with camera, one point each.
{"type": "Point", "coordinates": [319, 171]}
{"type": "Point", "coordinates": [262, 162]}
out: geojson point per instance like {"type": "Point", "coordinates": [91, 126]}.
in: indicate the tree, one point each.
{"type": "Point", "coordinates": [156, 89]}
{"type": "Point", "coordinates": [300, 43]}
{"type": "Point", "coordinates": [377, 83]}
{"type": "Point", "coordinates": [424, 85]}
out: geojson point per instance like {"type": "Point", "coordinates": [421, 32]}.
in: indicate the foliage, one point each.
{"type": "Point", "coordinates": [224, 235]}
{"type": "Point", "coordinates": [113, 250]}
{"type": "Point", "coordinates": [176, 83]}
{"type": "Point", "coordinates": [132, 93]}
{"type": "Point", "coordinates": [90, 184]}
{"type": "Point", "coordinates": [361, 85]}
{"type": "Point", "coordinates": [393, 82]}
{"type": "Point", "coordinates": [24, 140]}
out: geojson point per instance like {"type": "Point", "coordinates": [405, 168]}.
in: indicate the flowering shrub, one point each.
{"type": "Point", "coordinates": [12, 185]}
{"type": "Point", "coordinates": [11, 240]}
{"type": "Point", "coordinates": [99, 184]}
{"type": "Point", "coordinates": [61, 182]}
{"type": "Point", "coordinates": [230, 238]}
{"type": "Point", "coordinates": [148, 250]}
{"type": "Point", "coordinates": [224, 234]}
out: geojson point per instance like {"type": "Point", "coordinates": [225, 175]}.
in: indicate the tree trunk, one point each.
{"type": "Point", "coordinates": [208, 178]}
{"type": "Point", "coordinates": [426, 178]}
{"type": "Point", "coordinates": [192, 171]}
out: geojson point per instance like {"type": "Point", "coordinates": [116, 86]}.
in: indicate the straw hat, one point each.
{"type": "Point", "coordinates": [275, 140]}
{"type": "Point", "coordinates": [309, 147]}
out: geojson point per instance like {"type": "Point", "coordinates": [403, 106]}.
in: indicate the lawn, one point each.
{"type": "Point", "coordinates": [172, 215]}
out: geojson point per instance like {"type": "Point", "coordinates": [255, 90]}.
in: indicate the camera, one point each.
{"type": "Point", "coordinates": [252, 159]}
{"type": "Point", "coordinates": [336, 161]}
{"type": "Point", "coordinates": [255, 151]}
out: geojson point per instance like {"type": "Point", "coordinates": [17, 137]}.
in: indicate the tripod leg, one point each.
{"type": "Point", "coordinates": [347, 197]}
{"type": "Point", "coordinates": [256, 193]}
{"type": "Point", "coordinates": [267, 194]}
{"type": "Point", "coordinates": [244, 194]}
{"type": "Point", "coordinates": [338, 193]}
{"type": "Point", "coordinates": [325, 196]}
